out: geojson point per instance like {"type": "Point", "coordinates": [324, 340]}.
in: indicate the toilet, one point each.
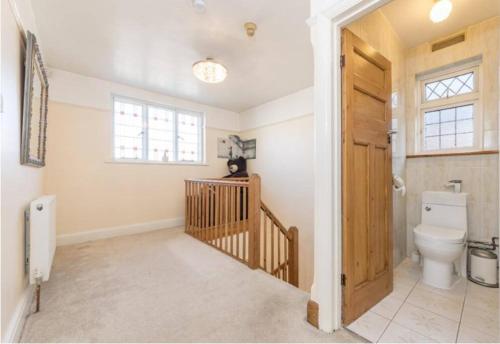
{"type": "Point", "coordinates": [441, 237]}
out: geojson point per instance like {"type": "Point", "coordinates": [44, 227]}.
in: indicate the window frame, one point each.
{"type": "Point", "coordinates": [473, 98]}
{"type": "Point", "coordinates": [145, 137]}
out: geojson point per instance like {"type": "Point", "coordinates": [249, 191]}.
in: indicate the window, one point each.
{"type": "Point", "coordinates": [150, 132]}
{"type": "Point", "coordinates": [449, 111]}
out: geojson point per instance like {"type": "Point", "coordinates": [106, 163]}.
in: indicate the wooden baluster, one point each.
{"type": "Point", "coordinates": [198, 206]}
{"type": "Point", "coordinates": [254, 221]}
{"type": "Point", "coordinates": [226, 196]}
{"type": "Point", "coordinates": [207, 213]}
{"type": "Point", "coordinates": [238, 220]}
{"type": "Point", "coordinates": [272, 246]}
{"type": "Point", "coordinates": [186, 211]}
{"type": "Point", "coordinates": [279, 250]}
{"type": "Point", "coordinates": [265, 241]}
{"type": "Point", "coordinates": [293, 234]}
{"type": "Point", "coordinates": [245, 219]}
{"type": "Point", "coordinates": [216, 215]}
{"type": "Point", "coordinates": [286, 260]}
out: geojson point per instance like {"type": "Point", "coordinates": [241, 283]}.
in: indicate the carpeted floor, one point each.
{"type": "Point", "coordinates": [165, 286]}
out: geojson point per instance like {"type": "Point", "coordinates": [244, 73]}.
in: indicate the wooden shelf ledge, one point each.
{"type": "Point", "coordinates": [483, 152]}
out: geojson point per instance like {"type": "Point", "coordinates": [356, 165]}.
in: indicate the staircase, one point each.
{"type": "Point", "coordinates": [229, 215]}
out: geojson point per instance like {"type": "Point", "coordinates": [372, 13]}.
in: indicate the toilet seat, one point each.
{"type": "Point", "coordinates": [442, 234]}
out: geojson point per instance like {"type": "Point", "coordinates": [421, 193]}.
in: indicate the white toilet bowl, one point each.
{"type": "Point", "coordinates": [440, 248]}
{"type": "Point", "coordinates": [441, 237]}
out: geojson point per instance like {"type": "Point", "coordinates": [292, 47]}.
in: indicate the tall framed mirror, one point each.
{"type": "Point", "coordinates": [34, 118]}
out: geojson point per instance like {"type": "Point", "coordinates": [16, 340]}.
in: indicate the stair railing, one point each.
{"type": "Point", "coordinates": [228, 214]}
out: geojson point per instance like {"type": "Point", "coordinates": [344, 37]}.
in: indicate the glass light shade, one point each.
{"type": "Point", "coordinates": [209, 71]}
{"type": "Point", "coordinates": [441, 10]}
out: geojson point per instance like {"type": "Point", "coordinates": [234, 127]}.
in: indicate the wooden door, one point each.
{"type": "Point", "coordinates": [367, 177]}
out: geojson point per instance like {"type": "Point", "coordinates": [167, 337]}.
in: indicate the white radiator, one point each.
{"type": "Point", "coordinates": [40, 237]}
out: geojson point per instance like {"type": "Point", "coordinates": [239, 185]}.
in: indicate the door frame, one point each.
{"type": "Point", "coordinates": [326, 22]}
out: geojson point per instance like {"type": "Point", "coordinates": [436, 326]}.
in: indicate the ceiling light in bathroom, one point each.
{"type": "Point", "coordinates": [209, 71]}
{"type": "Point", "coordinates": [440, 10]}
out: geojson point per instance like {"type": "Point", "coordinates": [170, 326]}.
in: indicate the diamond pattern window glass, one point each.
{"type": "Point", "coordinates": [449, 128]}
{"type": "Point", "coordinates": [449, 87]}
{"type": "Point", "coordinates": [147, 132]}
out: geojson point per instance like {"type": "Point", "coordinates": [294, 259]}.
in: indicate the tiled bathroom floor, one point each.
{"type": "Point", "coordinates": [415, 312]}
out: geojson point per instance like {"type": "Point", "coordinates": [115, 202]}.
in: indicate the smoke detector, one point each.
{"type": "Point", "coordinates": [199, 5]}
{"type": "Point", "coordinates": [250, 28]}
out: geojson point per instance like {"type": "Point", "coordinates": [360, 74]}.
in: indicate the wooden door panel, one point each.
{"type": "Point", "coordinates": [368, 109]}
{"type": "Point", "coordinates": [380, 233]}
{"type": "Point", "coordinates": [368, 70]}
{"type": "Point", "coordinates": [366, 177]}
{"type": "Point", "coordinates": [360, 212]}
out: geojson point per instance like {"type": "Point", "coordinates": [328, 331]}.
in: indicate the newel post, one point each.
{"type": "Point", "coordinates": [293, 256]}
{"type": "Point", "coordinates": [254, 221]}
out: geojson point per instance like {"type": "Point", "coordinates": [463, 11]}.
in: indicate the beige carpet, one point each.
{"type": "Point", "coordinates": [165, 286]}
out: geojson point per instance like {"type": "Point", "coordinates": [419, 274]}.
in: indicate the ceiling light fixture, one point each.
{"type": "Point", "coordinates": [209, 71]}
{"type": "Point", "coordinates": [199, 5]}
{"type": "Point", "coordinates": [440, 10]}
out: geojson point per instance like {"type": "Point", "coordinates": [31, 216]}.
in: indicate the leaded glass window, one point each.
{"type": "Point", "coordinates": [449, 128]}
{"type": "Point", "coordinates": [150, 132]}
{"type": "Point", "coordinates": [450, 110]}
{"type": "Point", "coordinates": [449, 87]}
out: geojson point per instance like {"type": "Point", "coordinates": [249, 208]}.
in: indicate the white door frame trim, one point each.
{"type": "Point", "coordinates": [326, 27]}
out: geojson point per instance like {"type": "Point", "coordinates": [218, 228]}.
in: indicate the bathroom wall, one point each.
{"type": "Point", "coordinates": [478, 172]}
{"type": "Point", "coordinates": [377, 32]}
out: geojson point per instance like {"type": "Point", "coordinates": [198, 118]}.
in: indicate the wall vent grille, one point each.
{"type": "Point", "coordinates": [447, 42]}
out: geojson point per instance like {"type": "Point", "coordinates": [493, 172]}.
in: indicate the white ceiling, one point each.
{"type": "Point", "coordinates": [152, 44]}
{"type": "Point", "coordinates": [410, 18]}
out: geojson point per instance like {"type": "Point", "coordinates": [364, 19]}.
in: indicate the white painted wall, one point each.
{"type": "Point", "coordinates": [284, 129]}
{"type": "Point", "coordinates": [19, 184]}
{"type": "Point", "coordinates": [282, 109]}
{"type": "Point", "coordinates": [76, 89]}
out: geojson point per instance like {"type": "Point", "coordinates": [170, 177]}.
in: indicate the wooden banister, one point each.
{"type": "Point", "coordinates": [229, 215]}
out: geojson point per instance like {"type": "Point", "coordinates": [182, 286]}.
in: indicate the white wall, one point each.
{"type": "Point", "coordinates": [76, 89]}
{"type": "Point", "coordinates": [284, 132]}
{"type": "Point", "coordinates": [19, 184]}
{"type": "Point", "coordinates": [282, 109]}
{"type": "Point", "coordinates": [98, 195]}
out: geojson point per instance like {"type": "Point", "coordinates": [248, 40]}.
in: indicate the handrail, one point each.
{"type": "Point", "coordinates": [277, 222]}
{"type": "Point", "coordinates": [229, 215]}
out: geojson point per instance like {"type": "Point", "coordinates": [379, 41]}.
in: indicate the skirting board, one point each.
{"type": "Point", "coordinates": [109, 232]}
{"type": "Point", "coordinates": [13, 332]}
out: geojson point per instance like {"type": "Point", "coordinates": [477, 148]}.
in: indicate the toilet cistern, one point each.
{"type": "Point", "coordinates": [456, 184]}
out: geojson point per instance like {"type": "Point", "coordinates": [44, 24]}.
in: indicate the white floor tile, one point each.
{"type": "Point", "coordinates": [449, 308]}
{"type": "Point", "coordinates": [427, 323]}
{"type": "Point", "coordinates": [370, 326]}
{"type": "Point", "coordinates": [403, 287]}
{"type": "Point", "coordinates": [457, 292]}
{"type": "Point", "coordinates": [481, 320]}
{"type": "Point", "coordinates": [399, 334]}
{"type": "Point", "coordinates": [388, 306]}
{"type": "Point", "coordinates": [482, 297]}
{"type": "Point", "coordinates": [467, 334]}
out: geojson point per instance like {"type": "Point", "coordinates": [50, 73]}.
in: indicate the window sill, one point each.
{"type": "Point", "coordinates": [145, 162]}
{"type": "Point", "coordinates": [428, 155]}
